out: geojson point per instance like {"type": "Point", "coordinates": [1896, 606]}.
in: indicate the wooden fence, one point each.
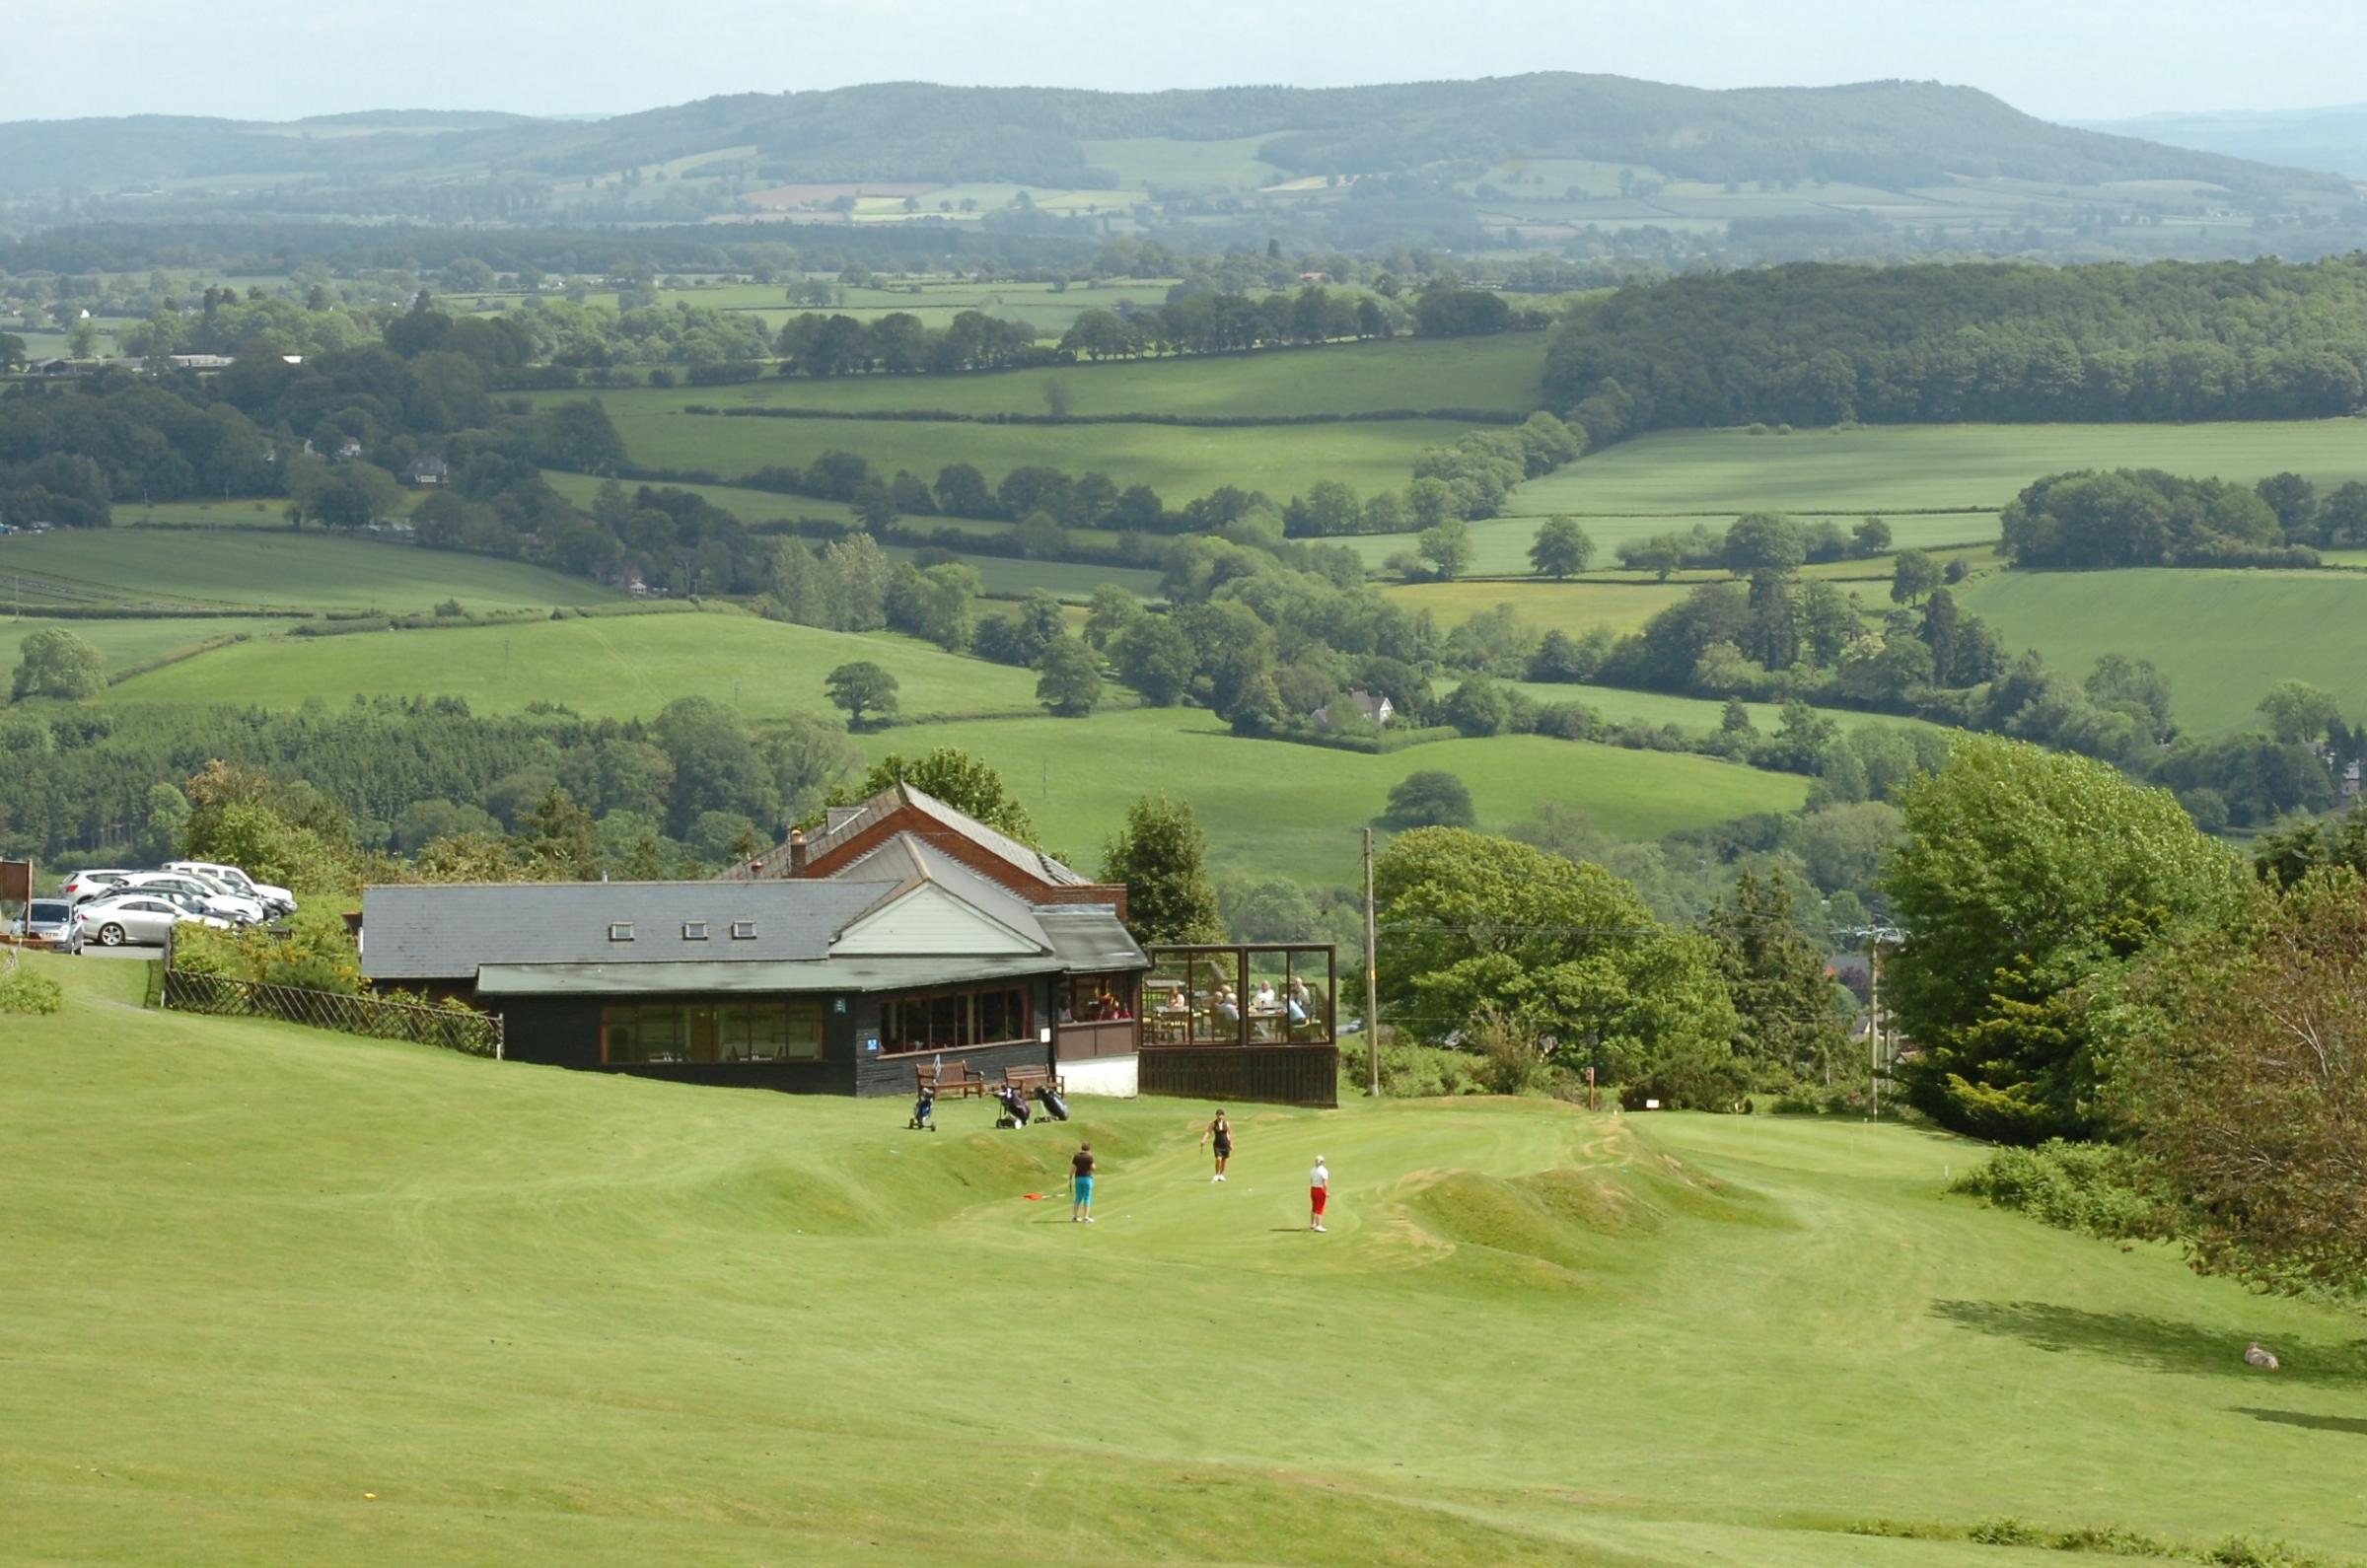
{"type": "Point", "coordinates": [462, 1030]}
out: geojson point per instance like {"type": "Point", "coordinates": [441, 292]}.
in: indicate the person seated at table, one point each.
{"type": "Point", "coordinates": [1176, 1002]}
{"type": "Point", "coordinates": [1265, 1001]}
{"type": "Point", "coordinates": [1228, 1006]}
{"type": "Point", "coordinates": [1294, 1006]}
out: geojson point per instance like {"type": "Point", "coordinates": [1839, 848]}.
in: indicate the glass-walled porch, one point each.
{"type": "Point", "coordinates": [1240, 994]}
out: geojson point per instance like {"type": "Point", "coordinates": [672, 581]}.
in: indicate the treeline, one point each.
{"type": "Point", "coordinates": [2144, 516]}
{"type": "Point", "coordinates": [688, 789]}
{"type": "Point", "coordinates": [1816, 344]}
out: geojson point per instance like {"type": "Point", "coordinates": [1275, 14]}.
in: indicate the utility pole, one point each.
{"type": "Point", "coordinates": [1874, 1019]}
{"type": "Point", "coordinates": [1372, 985]}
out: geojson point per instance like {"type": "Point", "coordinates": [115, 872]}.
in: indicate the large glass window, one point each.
{"type": "Point", "coordinates": [702, 1032]}
{"type": "Point", "coordinates": [923, 1021]}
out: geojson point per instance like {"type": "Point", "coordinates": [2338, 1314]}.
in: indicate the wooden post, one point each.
{"type": "Point", "coordinates": [1372, 985]}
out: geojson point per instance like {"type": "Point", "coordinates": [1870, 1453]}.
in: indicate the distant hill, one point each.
{"type": "Point", "coordinates": [1889, 134]}
{"type": "Point", "coordinates": [2333, 138]}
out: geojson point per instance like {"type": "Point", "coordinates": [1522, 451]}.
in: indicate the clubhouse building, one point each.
{"type": "Point", "coordinates": [902, 934]}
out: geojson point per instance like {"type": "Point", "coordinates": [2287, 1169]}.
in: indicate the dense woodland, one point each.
{"type": "Point", "coordinates": [1819, 346]}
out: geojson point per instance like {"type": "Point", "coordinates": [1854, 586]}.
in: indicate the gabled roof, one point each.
{"type": "Point", "coordinates": [1033, 862]}
{"type": "Point", "coordinates": [846, 829]}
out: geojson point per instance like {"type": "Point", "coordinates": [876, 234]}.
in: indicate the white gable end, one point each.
{"type": "Point", "coordinates": [926, 921]}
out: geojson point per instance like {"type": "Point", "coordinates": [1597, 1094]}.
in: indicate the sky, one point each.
{"type": "Point", "coordinates": [278, 59]}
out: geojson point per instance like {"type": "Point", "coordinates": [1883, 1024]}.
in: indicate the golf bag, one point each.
{"type": "Point", "coordinates": [1053, 1105]}
{"type": "Point", "coordinates": [1014, 1108]}
{"type": "Point", "coordinates": [924, 1115]}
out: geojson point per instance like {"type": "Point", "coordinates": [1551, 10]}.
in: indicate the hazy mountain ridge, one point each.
{"type": "Point", "coordinates": [1879, 133]}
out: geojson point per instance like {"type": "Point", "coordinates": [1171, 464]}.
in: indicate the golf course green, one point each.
{"type": "Point", "coordinates": [282, 1296]}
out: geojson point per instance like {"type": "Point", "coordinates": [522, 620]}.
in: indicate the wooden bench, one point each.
{"type": "Point", "coordinates": [953, 1079]}
{"type": "Point", "coordinates": [1027, 1078]}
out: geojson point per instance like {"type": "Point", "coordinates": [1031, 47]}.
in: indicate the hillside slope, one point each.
{"type": "Point", "coordinates": [282, 1296]}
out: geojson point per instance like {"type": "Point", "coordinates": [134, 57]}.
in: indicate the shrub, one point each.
{"type": "Point", "coordinates": [22, 991]}
{"type": "Point", "coordinates": [1508, 1059]}
{"type": "Point", "coordinates": [2089, 1187]}
{"type": "Point", "coordinates": [1412, 1072]}
{"type": "Point", "coordinates": [450, 609]}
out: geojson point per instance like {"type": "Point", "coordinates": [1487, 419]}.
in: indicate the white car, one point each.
{"type": "Point", "coordinates": [279, 899]}
{"type": "Point", "coordinates": [83, 885]}
{"type": "Point", "coordinates": [136, 918]}
{"type": "Point", "coordinates": [217, 900]}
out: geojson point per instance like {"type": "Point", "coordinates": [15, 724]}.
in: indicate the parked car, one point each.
{"type": "Point", "coordinates": [45, 918]}
{"type": "Point", "coordinates": [218, 899]}
{"type": "Point", "coordinates": [136, 918]}
{"type": "Point", "coordinates": [85, 885]}
{"type": "Point", "coordinates": [277, 899]}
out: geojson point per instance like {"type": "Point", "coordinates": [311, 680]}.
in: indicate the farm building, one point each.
{"type": "Point", "coordinates": [902, 934]}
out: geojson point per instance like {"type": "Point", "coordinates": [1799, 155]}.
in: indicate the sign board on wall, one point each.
{"type": "Point", "coordinates": [16, 881]}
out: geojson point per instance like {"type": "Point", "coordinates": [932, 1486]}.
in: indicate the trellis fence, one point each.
{"type": "Point", "coordinates": [466, 1031]}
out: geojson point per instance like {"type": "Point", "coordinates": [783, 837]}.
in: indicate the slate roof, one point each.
{"type": "Point", "coordinates": [552, 937]}
{"type": "Point", "coordinates": [447, 931]}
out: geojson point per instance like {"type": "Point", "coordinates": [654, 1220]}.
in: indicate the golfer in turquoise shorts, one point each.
{"type": "Point", "coordinates": [1081, 1186]}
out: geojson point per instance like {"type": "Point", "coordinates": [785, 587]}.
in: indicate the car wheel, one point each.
{"type": "Point", "coordinates": [110, 935]}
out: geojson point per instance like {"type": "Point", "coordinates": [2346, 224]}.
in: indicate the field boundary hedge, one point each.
{"type": "Point", "coordinates": [176, 656]}
{"type": "Point", "coordinates": [947, 416]}
{"type": "Point", "coordinates": [1381, 744]}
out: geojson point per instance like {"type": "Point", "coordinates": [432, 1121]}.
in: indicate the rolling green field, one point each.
{"type": "Point", "coordinates": [2223, 638]}
{"type": "Point", "coordinates": [283, 1296]}
{"type": "Point", "coordinates": [1274, 808]}
{"type": "Point", "coordinates": [603, 667]}
{"type": "Point", "coordinates": [1494, 373]}
{"type": "Point", "coordinates": [1180, 463]}
{"type": "Point", "coordinates": [1574, 608]}
{"type": "Point", "coordinates": [1895, 469]}
{"type": "Point", "coordinates": [310, 570]}
{"type": "Point", "coordinates": [128, 642]}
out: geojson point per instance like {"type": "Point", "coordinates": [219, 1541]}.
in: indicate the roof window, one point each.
{"type": "Point", "coordinates": [621, 931]}
{"type": "Point", "coordinates": [694, 931]}
{"type": "Point", "coordinates": [744, 931]}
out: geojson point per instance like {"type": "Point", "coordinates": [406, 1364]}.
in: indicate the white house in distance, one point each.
{"type": "Point", "coordinates": [1376, 710]}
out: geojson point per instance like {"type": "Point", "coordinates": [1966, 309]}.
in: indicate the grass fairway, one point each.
{"type": "Point", "coordinates": [1492, 373]}
{"type": "Point", "coordinates": [1181, 463]}
{"type": "Point", "coordinates": [310, 570]}
{"type": "Point", "coordinates": [1274, 808]}
{"type": "Point", "coordinates": [1889, 469]}
{"type": "Point", "coordinates": [2223, 638]}
{"type": "Point", "coordinates": [277, 1296]}
{"type": "Point", "coordinates": [603, 666]}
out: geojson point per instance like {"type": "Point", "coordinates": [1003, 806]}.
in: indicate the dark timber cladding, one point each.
{"type": "Point", "coordinates": [844, 982]}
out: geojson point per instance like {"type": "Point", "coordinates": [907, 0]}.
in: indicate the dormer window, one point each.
{"type": "Point", "coordinates": [694, 931]}
{"type": "Point", "coordinates": [744, 931]}
{"type": "Point", "coordinates": [621, 931]}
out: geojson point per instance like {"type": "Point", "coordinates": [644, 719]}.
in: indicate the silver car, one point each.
{"type": "Point", "coordinates": [46, 919]}
{"type": "Point", "coordinates": [83, 885]}
{"type": "Point", "coordinates": [135, 918]}
{"type": "Point", "coordinates": [218, 899]}
{"type": "Point", "coordinates": [233, 880]}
